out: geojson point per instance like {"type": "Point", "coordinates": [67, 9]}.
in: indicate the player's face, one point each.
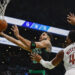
{"type": "Point", "coordinates": [43, 36]}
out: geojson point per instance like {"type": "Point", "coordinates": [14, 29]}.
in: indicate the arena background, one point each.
{"type": "Point", "coordinates": [14, 60]}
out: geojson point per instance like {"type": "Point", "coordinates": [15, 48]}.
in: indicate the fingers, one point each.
{"type": "Point", "coordinates": [68, 21]}
{"type": "Point", "coordinates": [68, 18]}
{"type": "Point", "coordinates": [33, 55]}
{"type": "Point", "coordinates": [32, 58]}
{"type": "Point", "coordinates": [70, 15]}
{"type": "Point", "coordinates": [14, 28]}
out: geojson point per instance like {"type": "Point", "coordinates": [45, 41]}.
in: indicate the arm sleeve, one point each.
{"type": "Point", "coordinates": [47, 64]}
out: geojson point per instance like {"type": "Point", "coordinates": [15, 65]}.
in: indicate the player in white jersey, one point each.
{"type": "Point", "coordinates": [67, 55]}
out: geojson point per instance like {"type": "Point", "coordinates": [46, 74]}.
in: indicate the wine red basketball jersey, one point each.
{"type": "Point", "coordinates": [69, 56]}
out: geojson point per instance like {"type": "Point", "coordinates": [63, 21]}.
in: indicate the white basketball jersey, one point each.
{"type": "Point", "coordinates": [69, 56]}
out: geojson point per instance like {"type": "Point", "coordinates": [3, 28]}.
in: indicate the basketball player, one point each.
{"type": "Point", "coordinates": [44, 41]}
{"type": "Point", "coordinates": [71, 18]}
{"type": "Point", "coordinates": [67, 55]}
{"type": "Point", "coordinates": [43, 47]}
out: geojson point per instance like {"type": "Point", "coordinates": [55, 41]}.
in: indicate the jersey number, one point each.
{"type": "Point", "coordinates": [72, 59]}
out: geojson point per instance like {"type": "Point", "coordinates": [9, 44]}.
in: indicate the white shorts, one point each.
{"type": "Point", "coordinates": [70, 72]}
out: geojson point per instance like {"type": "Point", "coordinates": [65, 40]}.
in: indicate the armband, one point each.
{"type": "Point", "coordinates": [47, 64]}
{"type": "Point", "coordinates": [33, 45]}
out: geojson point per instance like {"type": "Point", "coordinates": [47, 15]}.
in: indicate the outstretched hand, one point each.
{"type": "Point", "coordinates": [15, 30]}
{"type": "Point", "coordinates": [35, 57]}
{"type": "Point", "coordinates": [71, 18]}
{"type": "Point", "coordinates": [1, 33]}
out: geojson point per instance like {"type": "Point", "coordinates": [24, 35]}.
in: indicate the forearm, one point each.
{"type": "Point", "coordinates": [24, 41]}
{"type": "Point", "coordinates": [47, 64]}
{"type": "Point", "coordinates": [9, 38]}
{"type": "Point", "coordinates": [12, 39]}
{"type": "Point", "coordinates": [17, 42]}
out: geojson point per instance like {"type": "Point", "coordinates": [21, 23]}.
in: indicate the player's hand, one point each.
{"type": "Point", "coordinates": [71, 18]}
{"type": "Point", "coordinates": [15, 30]}
{"type": "Point", "coordinates": [35, 57]}
{"type": "Point", "coordinates": [1, 33]}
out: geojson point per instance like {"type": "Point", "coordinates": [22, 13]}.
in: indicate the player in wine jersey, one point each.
{"type": "Point", "coordinates": [67, 55]}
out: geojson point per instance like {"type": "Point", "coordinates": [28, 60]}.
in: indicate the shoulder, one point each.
{"type": "Point", "coordinates": [68, 47]}
{"type": "Point", "coordinates": [61, 52]}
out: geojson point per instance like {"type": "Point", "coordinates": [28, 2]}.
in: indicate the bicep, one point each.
{"type": "Point", "coordinates": [42, 44]}
{"type": "Point", "coordinates": [39, 45]}
{"type": "Point", "coordinates": [58, 58]}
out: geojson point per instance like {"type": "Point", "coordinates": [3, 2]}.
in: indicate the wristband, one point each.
{"type": "Point", "coordinates": [33, 45]}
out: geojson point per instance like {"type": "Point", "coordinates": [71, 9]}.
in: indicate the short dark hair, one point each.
{"type": "Point", "coordinates": [50, 35]}
{"type": "Point", "coordinates": [71, 35]}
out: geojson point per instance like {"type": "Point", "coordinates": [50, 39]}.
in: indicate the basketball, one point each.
{"type": "Point", "coordinates": [3, 25]}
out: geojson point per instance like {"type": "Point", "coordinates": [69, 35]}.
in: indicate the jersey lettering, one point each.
{"type": "Point", "coordinates": [72, 58]}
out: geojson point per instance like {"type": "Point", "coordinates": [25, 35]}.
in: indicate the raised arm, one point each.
{"type": "Point", "coordinates": [48, 64]}
{"type": "Point", "coordinates": [42, 44]}
{"type": "Point", "coordinates": [23, 40]}
{"type": "Point", "coordinates": [17, 42]}
{"type": "Point", "coordinates": [30, 44]}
